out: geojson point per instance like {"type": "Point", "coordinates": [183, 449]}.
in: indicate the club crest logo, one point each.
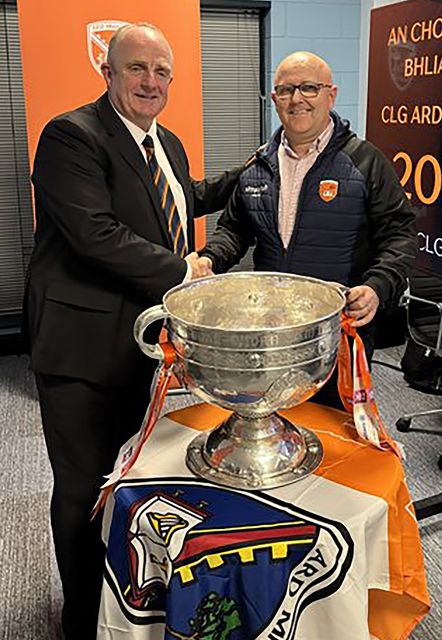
{"type": "Point", "coordinates": [98, 36]}
{"type": "Point", "coordinates": [328, 189]}
{"type": "Point", "coordinates": [213, 550]}
{"type": "Point", "coordinates": [397, 54]}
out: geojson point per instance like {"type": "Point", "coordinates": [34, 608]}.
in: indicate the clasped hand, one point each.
{"type": "Point", "coordinates": [201, 266]}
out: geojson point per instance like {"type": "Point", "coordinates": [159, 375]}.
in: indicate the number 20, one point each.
{"type": "Point", "coordinates": [408, 170]}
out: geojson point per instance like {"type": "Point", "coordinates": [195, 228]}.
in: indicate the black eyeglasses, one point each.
{"type": "Point", "coordinates": [306, 89]}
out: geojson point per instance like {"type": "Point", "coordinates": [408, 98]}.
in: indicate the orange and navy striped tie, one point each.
{"type": "Point", "coordinates": [166, 199]}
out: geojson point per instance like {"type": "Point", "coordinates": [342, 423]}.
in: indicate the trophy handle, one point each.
{"type": "Point", "coordinates": [144, 320]}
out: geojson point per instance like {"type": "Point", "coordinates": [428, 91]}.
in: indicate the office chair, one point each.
{"type": "Point", "coordinates": [423, 340]}
{"type": "Point", "coordinates": [433, 504]}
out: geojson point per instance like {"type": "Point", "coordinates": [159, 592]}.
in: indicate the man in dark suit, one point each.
{"type": "Point", "coordinates": [103, 253]}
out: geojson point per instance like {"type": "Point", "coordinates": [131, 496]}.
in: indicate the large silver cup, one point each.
{"type": "Point", "coordinates": [253, 343]}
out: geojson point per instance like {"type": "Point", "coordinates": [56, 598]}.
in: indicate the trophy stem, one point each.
{"type": "Point", "coordinates": [255, 453]}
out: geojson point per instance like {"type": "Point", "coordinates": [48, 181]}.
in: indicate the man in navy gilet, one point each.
{"type": "Point", "coordinates": [320, 202]}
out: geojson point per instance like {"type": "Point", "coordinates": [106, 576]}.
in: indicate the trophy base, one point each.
{"type": "Point", "coordinates": [255, 453]}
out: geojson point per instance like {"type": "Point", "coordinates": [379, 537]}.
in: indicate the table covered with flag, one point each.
{"type": "Point", "coordinates": [334, 556]}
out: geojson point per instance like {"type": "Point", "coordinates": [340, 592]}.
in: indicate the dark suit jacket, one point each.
{"type": "Point", "coordinates": [102, 251]}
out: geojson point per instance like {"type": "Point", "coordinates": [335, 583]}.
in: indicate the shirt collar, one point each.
{"type": "Point", "coordinates": [317, 145]}
{"type": "Point", "coordinates": [137, 132]}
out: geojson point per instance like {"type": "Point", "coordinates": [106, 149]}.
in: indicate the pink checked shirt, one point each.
{"type": "Point", "coordinates": [293, 169]}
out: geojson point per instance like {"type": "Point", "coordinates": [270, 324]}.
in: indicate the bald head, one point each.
{"type": "Point", "coordinates": [306, 63]}
{"type": "Point", "coordinates": [130, 32]}
{"type": "Point", "coordinates": [305, 96]}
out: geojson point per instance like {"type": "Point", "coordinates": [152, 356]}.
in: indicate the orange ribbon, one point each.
{"type": "Point", "coordinates": [150, 419]}
{"type": "Point", "coordinates": [356, 391]}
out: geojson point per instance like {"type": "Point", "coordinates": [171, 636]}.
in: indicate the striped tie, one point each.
{"type": "Point", "coordinates": [168, 205]}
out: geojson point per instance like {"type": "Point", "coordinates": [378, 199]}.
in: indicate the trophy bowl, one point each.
{"type": "Point", "coordinates": [252, 343]}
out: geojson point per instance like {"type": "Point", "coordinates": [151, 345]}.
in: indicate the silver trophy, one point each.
{"type": "Point", "coordinates": [252, 343]}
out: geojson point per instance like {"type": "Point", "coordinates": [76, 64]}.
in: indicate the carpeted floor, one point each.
{"type": "Point", "coordinates": [30, 593]}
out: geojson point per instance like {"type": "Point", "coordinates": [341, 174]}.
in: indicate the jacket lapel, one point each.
{"type": "Point", "coordinates": [124, 142]}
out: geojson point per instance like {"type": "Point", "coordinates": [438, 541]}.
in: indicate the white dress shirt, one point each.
{"type": "Point", "coordinates": [138, 135]}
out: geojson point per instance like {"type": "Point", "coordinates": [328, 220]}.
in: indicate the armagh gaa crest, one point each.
{"type": "Point", "coordinates": [98, 36]}
{"type": "Point", "coordinates": [328, 190]}
{"type": "Point", "coordinates": [397, 55]}
{"type": "Point", "coordinates": [211, 562]}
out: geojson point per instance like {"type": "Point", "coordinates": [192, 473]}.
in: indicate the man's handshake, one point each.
{"type": "Point", "coordinates": [201, 267]}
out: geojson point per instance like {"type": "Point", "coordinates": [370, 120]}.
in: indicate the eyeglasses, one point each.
{"type": "Point", "coordinates": [306, 89]}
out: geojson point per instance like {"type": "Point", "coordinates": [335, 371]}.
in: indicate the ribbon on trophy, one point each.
{"type": "Point", "coordinates": [356, 391]}
{"type": "Point", "coordinates": [130, 451]}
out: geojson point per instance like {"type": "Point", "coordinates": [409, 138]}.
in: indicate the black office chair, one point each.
{"type": "Point", "coordinates": [430, 343]}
